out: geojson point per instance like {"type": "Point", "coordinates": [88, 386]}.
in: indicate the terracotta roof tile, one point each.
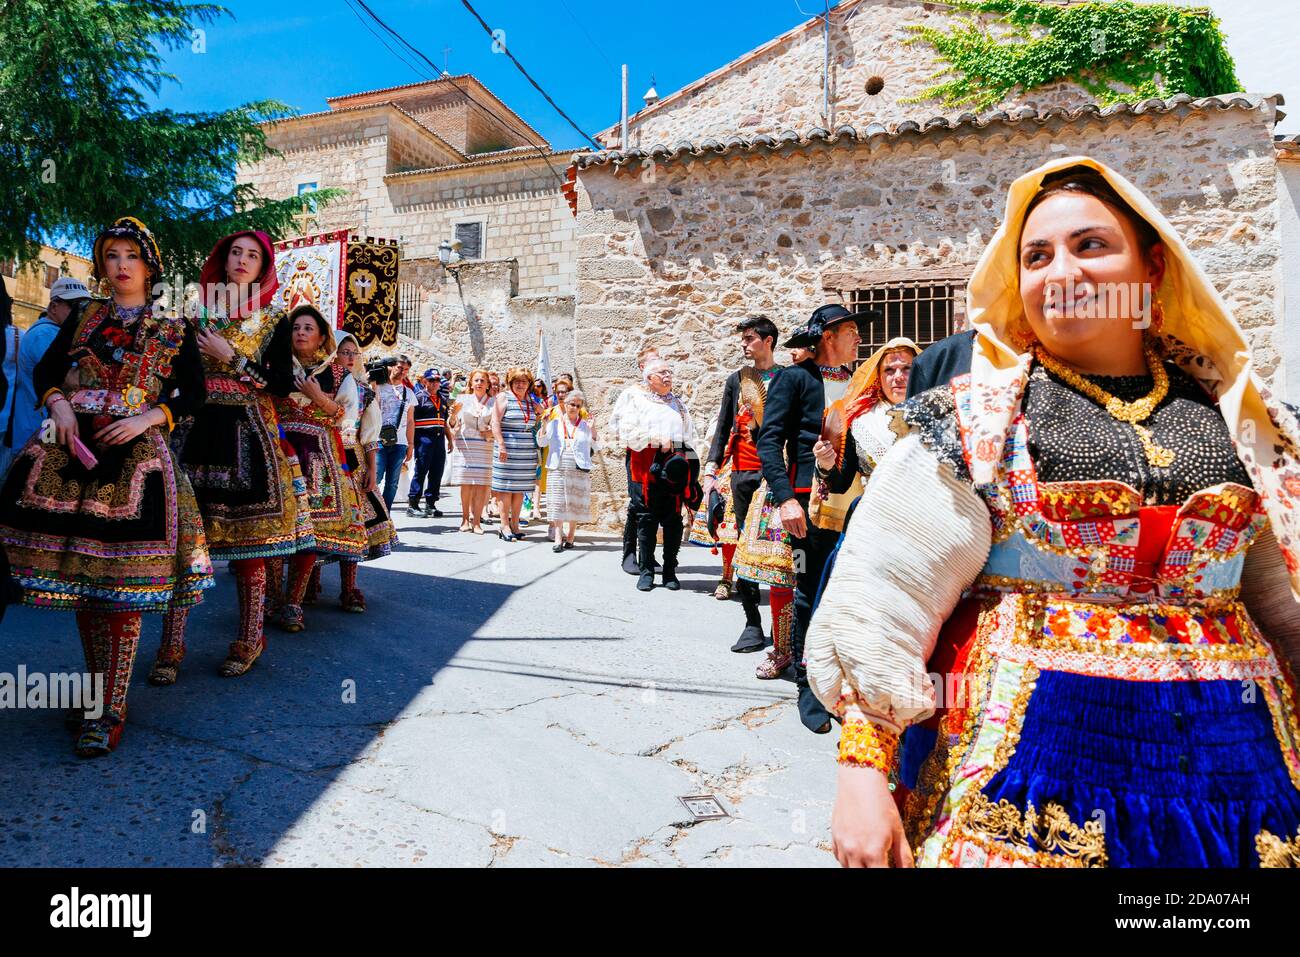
{"type": "Point", "coordinates": [872, 132]}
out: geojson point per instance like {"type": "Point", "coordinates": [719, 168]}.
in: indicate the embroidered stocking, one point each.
{"type": "Point", "coordinates": [172, 649]}
{"type": "Point", "coordinates": [300, 568]}
{"type": "Point", "coordinates": [728, 553]}
{"type": "Point", "coordinates": [250, 583]}
{"type": "Point", "coordinates": [782, 603]}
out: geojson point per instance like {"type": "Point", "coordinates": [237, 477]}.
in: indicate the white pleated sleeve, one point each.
{"type": "Point", "coordinates": [372, 421]}
{"type": "Point", "coordinates": [918, 539]}
{"type": "Point", "coordinates": [1266, 593]}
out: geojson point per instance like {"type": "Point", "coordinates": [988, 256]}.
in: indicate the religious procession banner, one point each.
{"type": "Point", "coordinates": [352, 282]}
{"type": "Point", "coordinates": [370, 307]}
{"type": "Point", "coordinates": [311, 272]}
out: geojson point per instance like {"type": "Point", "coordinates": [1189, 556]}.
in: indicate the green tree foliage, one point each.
{"type": "Point", "coordinates": [80, 146]}
{"type": "Point", "coordinates": [1116, 50]}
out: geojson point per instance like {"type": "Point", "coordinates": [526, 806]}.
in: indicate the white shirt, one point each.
{"type": "Point", "coordinates": [389, 398]}
{"type": "Point", "coordinates": [640, 419]}
{"type": "Point", "coordinates": [557, 432]}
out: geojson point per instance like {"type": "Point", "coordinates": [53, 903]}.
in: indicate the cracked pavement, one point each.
{"type": "Point", "coordinates": [497, 706]}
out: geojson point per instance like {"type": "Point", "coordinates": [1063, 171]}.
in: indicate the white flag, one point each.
{"type": "Point", "coordinates": [543, 362]}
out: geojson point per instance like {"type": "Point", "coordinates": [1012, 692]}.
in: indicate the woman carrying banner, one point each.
{"type": "Point", "coordinates": [313, 418]}
{"type": "Point", "coordinates": [251, 493]}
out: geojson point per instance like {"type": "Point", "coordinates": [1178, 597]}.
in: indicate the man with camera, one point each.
{"type": "Point", "coordinates": [397, 433]}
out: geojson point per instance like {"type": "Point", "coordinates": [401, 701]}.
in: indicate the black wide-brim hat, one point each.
{"type": "Point", "coordinates": [827, 317]}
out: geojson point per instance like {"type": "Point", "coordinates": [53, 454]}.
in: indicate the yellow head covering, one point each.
{"type": "Point", "coordinates": [867, 377]}
{"type": "Point", "coordinates": [1199, 334]}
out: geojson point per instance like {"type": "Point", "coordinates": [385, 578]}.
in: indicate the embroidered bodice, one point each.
{"type": "Point", "coordinates": [263, 356]}
{"type": "Point", "coordinates": [1077, 509]}
{"type": "Point", "coordinates": [125, 360]}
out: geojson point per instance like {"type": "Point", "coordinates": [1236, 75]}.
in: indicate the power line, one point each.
{"type": "Point", "coordinates": [414, 69]}
{"type": "Point", "coordinates": [590, 39]}
{"type": "Point", "coordinates": [446, 77]}
{"type": "Point", "coordinates": [506, 50]}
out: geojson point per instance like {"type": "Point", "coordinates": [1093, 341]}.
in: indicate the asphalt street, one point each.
{"type": "Point", "coordinates": [497, 705]}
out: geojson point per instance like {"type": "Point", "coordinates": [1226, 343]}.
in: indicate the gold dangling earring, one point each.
{"type": "Point", "coordinates": [1157, 317]}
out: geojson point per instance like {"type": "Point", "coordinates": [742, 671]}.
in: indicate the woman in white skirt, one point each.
{"type": "Point", "coordinates": [471, 459]}
{"type": "Point", "coordinates": [569, 439]}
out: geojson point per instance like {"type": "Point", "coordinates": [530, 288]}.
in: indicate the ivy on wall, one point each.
{"type": "Point", "coordinates": [1115, 50]}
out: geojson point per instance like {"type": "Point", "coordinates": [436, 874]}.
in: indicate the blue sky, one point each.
{"type": "Point", "coordinates": [574, 49]}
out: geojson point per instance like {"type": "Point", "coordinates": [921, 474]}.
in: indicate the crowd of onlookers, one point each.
{"type": "Point", "coordinates": [21, 415]}
{"type": "Point", "coordinates": [511, 444]}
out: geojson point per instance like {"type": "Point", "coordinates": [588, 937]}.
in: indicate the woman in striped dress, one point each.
{"type": "Point", "coordinates": [514, 470]}
{"type": "Point", "coordinates": [471, 461]}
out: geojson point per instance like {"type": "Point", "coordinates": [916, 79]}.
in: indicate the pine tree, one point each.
{"type": "Point", "coordinates": [80, 145]}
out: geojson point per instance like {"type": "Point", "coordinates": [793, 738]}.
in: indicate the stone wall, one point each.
{"type": "Point", "coordinates": [478, 318]}
{"type": "Point", "coordinates": [523, 214]}
{"type": "Point", "coordinates": [779, 87]}
{"type": "Point", "coordinates": [518, 202]}
{"type": "Point", "coordinates": [676, 261]}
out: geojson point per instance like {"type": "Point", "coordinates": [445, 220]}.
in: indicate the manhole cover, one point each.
{"type": "Point", "coordinates": [704, 807]}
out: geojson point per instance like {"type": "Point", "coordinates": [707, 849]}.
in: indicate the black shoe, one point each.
{"type": "Point", "coordinates": [811, 712]}
{"type": "Point", "coordinates": [670, 579]}
{"type": "Point", "coordinates": [646, 581]}
{"type": "Point", "coordinates": [568, 544]}
{"type": "Point", "coordinates": [751, 639]}
{"type": "Point", "coordinates": [433, 510]}
{"type": "Point", "coordinates": [414, 509]}
{"type": "Point", "coordinates": [629, 564]}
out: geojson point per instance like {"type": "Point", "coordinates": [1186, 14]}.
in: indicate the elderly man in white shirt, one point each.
{"type": "Point", "coordinates": [656, 429]}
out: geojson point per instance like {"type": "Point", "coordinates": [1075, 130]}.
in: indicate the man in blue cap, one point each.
{"type": "Point", "coordinates": [432, 443]}
{"type": "Point", "coordinates": [792, 424]}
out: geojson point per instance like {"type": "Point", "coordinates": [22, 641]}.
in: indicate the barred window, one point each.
{"type": "Point", "coordinates": [923, 305]}
{"type": "Point", "coordinates": [470, 236]}
{"type": "Point", "coordinates": [410, 302]}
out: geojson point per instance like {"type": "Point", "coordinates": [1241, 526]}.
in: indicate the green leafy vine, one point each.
{"type": "Point", "coordinates": [1116, 50]}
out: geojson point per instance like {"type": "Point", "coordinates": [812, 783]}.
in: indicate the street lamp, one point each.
{"type": "Point", "coordinates": [449, 252]}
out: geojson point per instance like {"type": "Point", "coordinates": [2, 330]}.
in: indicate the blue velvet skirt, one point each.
{"type": "Point", "coordinates": [1178, 774]}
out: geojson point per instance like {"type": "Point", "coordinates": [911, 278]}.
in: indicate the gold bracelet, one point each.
{"type": "Point", "coordinates": [56, 392]}
{"type": "Point", "coordinates": [865, 744]}
{"type": "Point", "coordinates": [167, 413]}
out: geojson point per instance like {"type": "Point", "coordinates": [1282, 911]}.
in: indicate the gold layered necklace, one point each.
{"type": "Point", "coordinates": [1131, 412]}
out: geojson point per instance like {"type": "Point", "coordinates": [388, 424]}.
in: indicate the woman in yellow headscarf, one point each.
{"type": "Point", "coordinates": [859, 424]}
{"type": "Point", "coordinates": [1092, 538]}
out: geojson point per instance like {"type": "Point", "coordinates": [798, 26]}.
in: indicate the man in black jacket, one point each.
{"type": "Point", "coordinates": [942, 362]}
{"type": "Point", "coordinates": [739, 420]}
{"type": "Point", "coordinates": [792, 424]}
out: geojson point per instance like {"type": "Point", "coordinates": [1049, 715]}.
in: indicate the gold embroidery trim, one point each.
{"type": "Point", "coordinates": [1051, 830]}
{"type": "Point", "coordinates": [753, 393]}
{"type": "Point", "coordinates": [1033, 610]}
{"type": "Point", "coordinates": [865, 744]}
{"type": "Point", "coordinates": [940, 767]}
{"type": "Point", "coordinates": [1275, 852]}
{"type": "Point", "coordinates": [1001, 755]}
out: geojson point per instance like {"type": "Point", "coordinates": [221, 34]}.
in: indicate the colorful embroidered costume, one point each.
{"type": "Point", "coordinates": [117, 534]}
{"type": "Point", "coordinates": [250, 492]}
{"type": "Point", "coordinates": [360, 439]}
{"type": "Point", "coordinates": [733, 459]}
{"type": "Point", "coordinates": [337, 515]}
{"type": "Point", "coordinates": [1108, 609]}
